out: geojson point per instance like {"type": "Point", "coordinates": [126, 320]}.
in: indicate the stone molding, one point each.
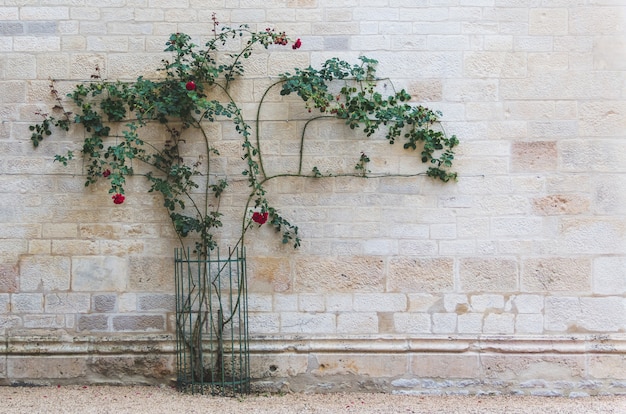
{"type": "Point", "coordinates": [499, 344]}
{"type": "Point", "coordinates": [66, 344]}
{"type": "Point", "coordinates": [566, 365]}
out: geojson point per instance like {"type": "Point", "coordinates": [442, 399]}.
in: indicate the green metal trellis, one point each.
{"type": "Point", "coordinates": [212, 323]}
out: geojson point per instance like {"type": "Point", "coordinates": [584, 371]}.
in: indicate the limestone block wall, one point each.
{"type": "Point", "coordinates": [513, 279]}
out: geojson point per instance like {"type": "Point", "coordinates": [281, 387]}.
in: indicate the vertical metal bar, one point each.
{"type": "Point", "coordinates": [211, 321]}
{"type": "Point", "coordinates": [176, 316]}
{"type": "Point", "coordinates": [246, 350]}
{"type": "Point", "coordinates": [201, 303]}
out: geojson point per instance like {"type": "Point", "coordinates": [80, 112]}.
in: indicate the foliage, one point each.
{"type": "Point", "coordinates": [184, 98]}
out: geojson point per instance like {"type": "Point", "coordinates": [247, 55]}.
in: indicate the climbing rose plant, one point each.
{"type": "Point", "coordinates": [185, 98]}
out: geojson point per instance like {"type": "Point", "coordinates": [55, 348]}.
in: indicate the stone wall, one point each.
{"type": "Point", "coordinates": [513, 279]}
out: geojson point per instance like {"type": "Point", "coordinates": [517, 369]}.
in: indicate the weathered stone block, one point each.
{"type": "Point", "coordinates": [99, 274]}
{"type": "Point", "coordinates": [380, 302]}
{"type": "Point", "coordinates": [470, 323]}
{"type": "Point", "coordinates": [104, 303]}
{"type": "Point", "coordinates": [611, 367]}
{"type": "Point", "coordinates": [488, 275]}
{"type": "Point", "coordinates": [9, 322]}
{"type": "Point", "coordinates": [5, 303]}
{"type": "Point", "coordinates": [419, 302]}
{"type": "Point", "coordinates": [59, 303]}
{"type": "Point", "coordinates": [269, 274]}
{"type": "Point", "coordinates": [284, 303]}
{"type": "Point", "coordinates": [156, 302]}
{"type": "Point", "coordinates": [448, 366]}
{"type": "Point", "coordinates": [534, 156]}
{"type": "Point", "coordinates": [561, 313]}
{"type": "Point", "coordinates": [499, 323]}
{"type": "Point", "coordinates": [295, 322]}
{"type": "Point", "coordinates": [44, 321]}
{"type": "Point", "coordinates": [3, 371]}
{"type": "Point", "coordinates": [561, 204]}
{"type": "Point", "coordinates": [529, 323]}
{"type": "Point", "coordinates": [27, 303]}
{"type": "Point", "coordinates": [82, 65]}
{"type": "Point", "coordinates": [93, 323]}
{"type": "Point", "coordinates": [584, 314]}
{"type": "Point", "coordinates": [39, 247]}
{"type": "Point", "coordinates": [470, 90]}
{"type": "Point", "coordinates": [548, 60]}
{"type": "Point", "coordinates": [263, 323]}
{"type": "Point", "coordinates": [417, 247]}
{"type": "Point", "coordinates": [600, 155]}
{"type": "Point", "coordinates": [587, 235]}
{"type": "Point", "coordinates": [139, 323]}
{"type": "Point", "coordinates": [454, 302]}
{"type": "Point", "coordinates": [310, 303]}
{"type": "Point", "coordinates": [128, 66]}
{"type": "Point", "coordinates": [15, 92]}
{"type": "Point", "coordinates": [59, 230]}
{"type": "Point", "coordinates": [444, 323]}
{"type": "Point", "coordinates": [495, 64]}
{"type": "Point", "coordinates": [127, 302]}
{"type": "Point", "coordinates": [11, 28]}
{"type": "Point", "coordinates": [340, 274]}
{"type": "Point", "coordinates": [594, 20]}
{"type": "Point", "coordinates": [556, 274]}
{"type": "Point", "coordinates": [602, 314]}
{"type": "Point", "coordinates": [375, 366]}
{"type": "Point", "coordinates": [425, 90]}
{"type": "Point", "coordinates": [124, 367]}
{"type": "Point", "coordinates": [548, 21]}
{"type": "Point", "coordinates": [37, 44]}
{"type": "Point", "coordinates": [529, 367]}
{"type": "Point", "coordinates": [24, 368]}
{"type": "Point", "coordinates": [504, 227]}
{"type": "Point", "coordinates": [482, 303]}
{"type": "Point", "coordinates": [44, 13]}
{"type": "Point", "coordinates": [44, 273]}
{"type": "Point", "coordinates": [412, 323]}
{"type": "Point", "coordinates": [380, 247]}
{"type": "Point", "coordinates": [340, 302]}
{"type": "Point", "coordinates": [528, 303]}
{"type": "Point", "coordinates": [151, 274]}
{"type": "Point", "coordinates": [8, 278]}
{"type": "Point", "coordinates": [420, 275]}
{"type": "Point", "coordinates": [357, 323]}
{"type": "Point", "coordinates": [272, 365]}
{"type": "Point", "coordinates": [260, 302]}
{"type": "Point", "coordinates": [609, 275]}
{"type": "Point", "coordinates": [20, 66]}
{"type": "Point", "coordinates": [609, 195]}
{"type": "Point", "coordinates": [602, 118]}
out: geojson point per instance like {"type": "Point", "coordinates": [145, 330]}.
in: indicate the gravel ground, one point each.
{"type": "Point", "coordinates": [155, 400]}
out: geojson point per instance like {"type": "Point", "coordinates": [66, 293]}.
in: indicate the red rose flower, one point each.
{"type": "Point", "coordinates": [260, 218]}
{"type": "Point", "coordinates": [118, 198]}
{"type": "Point", "coordinates": [190, 86]}
{"type": "Point", "coordinates": [296, 45]}
{"type": "Point", "coordinates": [106, 173]}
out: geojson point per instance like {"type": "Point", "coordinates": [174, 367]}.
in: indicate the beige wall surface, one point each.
{"type": "Point", "coordinates": [512, 279]}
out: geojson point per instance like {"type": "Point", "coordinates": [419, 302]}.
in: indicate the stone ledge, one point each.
{"type": "Point", "coordinates": [534, 365]}
{"type": "Point", "coordinates": [570, 344]}
{"type": "Point", "coordinates": [64, 343]}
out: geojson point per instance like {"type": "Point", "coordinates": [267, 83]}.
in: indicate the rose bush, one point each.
{"type": "Point", "coordinates": [186, 98]}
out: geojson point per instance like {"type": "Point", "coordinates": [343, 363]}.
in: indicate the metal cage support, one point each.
{"type": "Point", "coordinates": [212, 323]}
